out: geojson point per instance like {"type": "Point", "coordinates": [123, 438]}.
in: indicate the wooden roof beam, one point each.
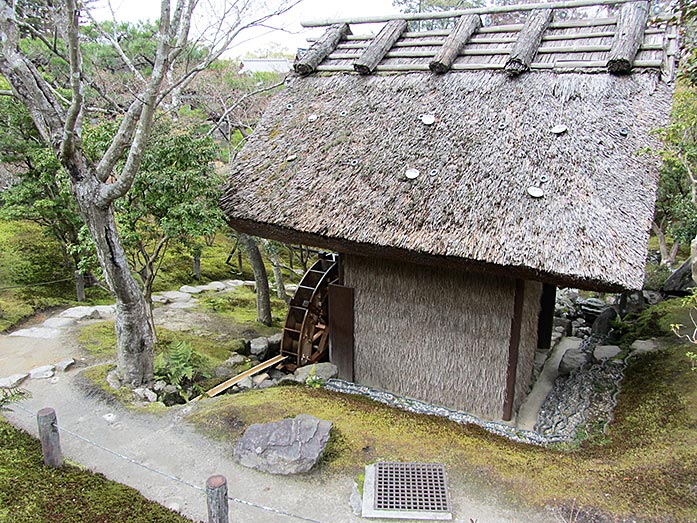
{"type": "Point", "coordinates": [528, 41]}
{"type": "Point", "coordinates": [321, 49]}
{"type": "Point", "coordinates": [466, 26]}
{"type": "Point", "coordinates": [629, 35]}
{"type": "Point", "coordinates": [378, 48]}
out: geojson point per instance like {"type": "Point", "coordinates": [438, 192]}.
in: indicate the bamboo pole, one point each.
{"type": "Point", "coordinates": [500, 51]}
{"type": "Point", "coordinates": [528, 41]}
{"type": "Point", "coordinates": [460, 12]}
{"type": "Point", "coordinates": [454, 42]}
{"type": "Point", "coordinates": [562, 64]}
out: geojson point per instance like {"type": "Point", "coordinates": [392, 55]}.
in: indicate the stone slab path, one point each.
{"type": "Point", "coordinates": [166, 443]}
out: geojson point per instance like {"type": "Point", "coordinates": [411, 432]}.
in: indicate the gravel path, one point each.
{"type": "Point", "coordinates": [166, 443]}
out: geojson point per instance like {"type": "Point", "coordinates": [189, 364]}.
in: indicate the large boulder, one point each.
{"type": "Point", "coordinates": [258, 348]}
{"type": "Point", "coordinates": [680, 283]}
{"type": "Point", "coordinates": [289, 446]}
{"type": "Point", "coordinates": [573, 359]}
{"type": "Point", "coordinates": [603, 323]}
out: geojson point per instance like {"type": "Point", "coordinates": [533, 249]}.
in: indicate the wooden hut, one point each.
{"type": "Point", "coordinates": [462, 174]}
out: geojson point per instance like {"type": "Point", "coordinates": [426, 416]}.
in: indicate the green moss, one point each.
{"type": "Point", "coordinates": [239, 306]}
{"type": "Point", "coordinates": [654, 321]}
{"type": "Point", "coordinates": [645, 461]}
{"type": "Point", "coordinates": [65, 494]}
{"type": "Point", "coordinates": [94, 380]}
{"type": "Point", "coordinates": [99, 339]}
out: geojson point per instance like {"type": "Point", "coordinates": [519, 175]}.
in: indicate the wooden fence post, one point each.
{"type": "Point", "coordinates": [216, 499]}
{"type": "Point", "coordinates": [50, 439]}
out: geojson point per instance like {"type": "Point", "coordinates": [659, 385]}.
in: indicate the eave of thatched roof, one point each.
{"type": "Point", "coordinates": [338, 181]}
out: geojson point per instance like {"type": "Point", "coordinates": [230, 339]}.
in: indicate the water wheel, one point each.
{"type": "Point", "coordinates": [306, 331]}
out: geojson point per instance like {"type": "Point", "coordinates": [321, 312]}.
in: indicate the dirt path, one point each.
{"type": "Point", "coordinates": [164, 442]}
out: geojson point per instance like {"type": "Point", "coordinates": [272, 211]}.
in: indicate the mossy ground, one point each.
{"type": "Point", "coordinates": [30, 491]}
{"type": "Point", "coordinates": [645, 467]}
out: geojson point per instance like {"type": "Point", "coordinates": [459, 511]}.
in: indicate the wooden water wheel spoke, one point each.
{"type": "Point", "coordinates": [306, 331]}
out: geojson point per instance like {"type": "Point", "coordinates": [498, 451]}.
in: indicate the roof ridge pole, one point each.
{"type": "Point", "coordinates": [321, 49]}
{"type": "Point", "coordinates": [457, 39]}
{"type": "Point", "coordinates": [629, 35]}
{"type": "Point", "coordinates": [378, 48]}
{"type": "Point", "coordinates": [528, 42]}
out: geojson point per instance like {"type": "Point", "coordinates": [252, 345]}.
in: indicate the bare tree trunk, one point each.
{"type": "Point", "coordinates": [134, 334]}
{"type": "Point", "coordinates": [693, 253]}
{"type": "Point", "coordinates": [674, 252]}
{"type": "Point", "coordinates": [260, 277]}
{"type": "Point", "coordinates": [662, 243]}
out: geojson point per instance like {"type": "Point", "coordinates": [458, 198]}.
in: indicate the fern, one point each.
{"type": "Point", "coordinates": [180, 365]}
{"type": "Point", "coordinates": [8, 396]}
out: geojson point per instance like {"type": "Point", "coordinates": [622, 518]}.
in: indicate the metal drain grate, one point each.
{"type": "Point", "coordinates": [406, 491]}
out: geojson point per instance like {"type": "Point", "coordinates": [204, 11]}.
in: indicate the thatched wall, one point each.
{"type": "Point", "coordinates": [338, 180]}
{"type": "Point", "coordinates": [437, 336]}
{"type": "Point", "coordinates": [528, 341]}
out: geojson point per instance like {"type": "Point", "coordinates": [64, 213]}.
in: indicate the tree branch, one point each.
{"type": "Point", "coordinates": [240, 101]}
{"type": "Point", "coordinates": [73, 42]}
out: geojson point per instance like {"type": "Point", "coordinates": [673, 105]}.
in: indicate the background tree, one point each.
{"type": "Point", "coordinates": [59, 121]}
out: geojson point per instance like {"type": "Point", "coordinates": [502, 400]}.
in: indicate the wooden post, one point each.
{"type": "Point", "coordinates": [545, 321]}
{"type": "Point", "coordinates": [341, 330]}
{"type": "Point", "coordinates": [321, 49]}
{"type": "Point", "coordinates": [528, 42]}
{"type": "Point", "coordinates": [456, 40]}
{"type": "Point", "coordinates": [629, 35]}
{"type": "Point", "coordinates": [378, 48]}
{"type": "Point", "coordinates": [79, 286]}
{"type": "Point", "coordinates": [216, 499]}
{"type": "Point", "coordinates": [513, 349]}
{"type": "Point", "coordinates": [50, 439]}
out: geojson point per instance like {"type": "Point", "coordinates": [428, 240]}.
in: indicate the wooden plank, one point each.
{"type": "Point", "coordinates": [513, 349]}
{"type": "Point", "coordinates": [456, 40]}
{"type": "Point", "coordinates": [670, 51]}
{"type": "Point", "coordinates": [378, 48]}
{"type": "Point", "coordinates": [341, 336]}
{"type": "Point", "coordinates": [545, 321]}
{"type": "Point", "coordinates": [246, 374]}
{"type": "Point", "coordinates": [629, 35]}
{"type": "Point", "coordinates": [528, 42]}
{"type": "Point", "coordinates": [321, 49]}
{"type": "Point", "coordinates": [455, 13]}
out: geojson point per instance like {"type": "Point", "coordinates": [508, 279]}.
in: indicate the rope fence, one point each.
{"type": "Point", "coordinates": [216, 486]}
{"type": "Point", "coordinates": [24, 286]}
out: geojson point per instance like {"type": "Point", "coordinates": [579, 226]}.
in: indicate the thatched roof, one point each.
{"type": "Point", "coordinates": [327, 164]}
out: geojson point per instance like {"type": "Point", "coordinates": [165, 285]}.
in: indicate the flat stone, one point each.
{"type": "Point", "coordinates": [183, 304]}
{"type": "Point", "coordinates": [266, 384]}
{"type": "Point", "coordinates": [324, 371]}
{"type": "Point", "coordinates": [235, 359]}
{"type": "Point", "coordinates": [83, 312]}
{"type": "Point", "coordinates": [58, 323]}
{"type": "Point", "coordinates": [233, 283]}
{"type": "Point", "coordinates": [259, 378]}
{"type": "Point", "coordinates": [43, 372]}
{"type": "Point", "coordinates": [215, 286]}
{"type": "Point", "coordinates": [246, 383]}
{"type": "Point", "coordinates": [644, 346]}
{"type": "Point", "coordinates": [106, 311]}
{"type": "Point", "coordinates": [176, 296]}
{"type": "Point", "coordinates": [192, 289]}
{"type": "Point", "coordinates": [37, 332]}
{"type": "Point", "coordinates": [223, 371]}
{"type": "Point", "coordinates": [606, 352]}
{"type": "Point", "coordinates": [259, 347]}
{"type": "Point", "coordinates": [150, 396]}
{"type": "Point", "coordinates": [288, 446]}
{"type": "Point", "coordinates": [156, 298]}
{"type": "Point", "coordinates": [64, 365]}
{"type": "Point", "coordinates": [13, 381]}
{"type": "Point", "coordinates": [573, 359]}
